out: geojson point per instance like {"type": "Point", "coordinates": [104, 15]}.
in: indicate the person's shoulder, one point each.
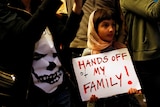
{"type": "Point", "coordinates": [118, 45]}
{"type": "Point", "coordinates": [86, 51]}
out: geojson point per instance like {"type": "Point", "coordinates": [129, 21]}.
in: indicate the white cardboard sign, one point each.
{"type": "Point", "coordinates": [105, 74]}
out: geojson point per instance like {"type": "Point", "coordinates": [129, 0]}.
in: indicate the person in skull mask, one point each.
{"type": "Point", "coordinates": [23, 25]}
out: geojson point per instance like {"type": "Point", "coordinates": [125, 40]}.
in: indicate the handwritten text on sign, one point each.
{"type": "Point", "coordinates": [105, 74]}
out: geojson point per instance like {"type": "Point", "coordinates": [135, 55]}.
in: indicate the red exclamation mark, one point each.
{"type": "Point", "coordinates": [129, 82]}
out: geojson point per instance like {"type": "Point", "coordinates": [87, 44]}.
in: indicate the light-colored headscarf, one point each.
{"type": "Point", "coordinates": [95, 43]}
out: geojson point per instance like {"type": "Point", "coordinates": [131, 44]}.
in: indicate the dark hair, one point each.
{"type": "Point", "coordinates": [103, 14]}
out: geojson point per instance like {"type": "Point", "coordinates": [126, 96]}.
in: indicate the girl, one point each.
{"type": "Point", "coordinates": [101, 38]}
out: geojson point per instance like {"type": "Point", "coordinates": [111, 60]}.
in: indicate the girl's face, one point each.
{"type": "Point", "coordinates": [106, 30]}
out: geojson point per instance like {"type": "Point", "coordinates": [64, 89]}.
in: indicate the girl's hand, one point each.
{"type": "Point", "coordinates": [134, 91]}
{"type": "Point", "coordinates": [93, 98]}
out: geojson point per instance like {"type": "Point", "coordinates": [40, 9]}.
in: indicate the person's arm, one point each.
{"type": "Point", "coordinates": [66, 33]}
{"type": "Point", "coordinates": [18, 25]}
{"type": "Point", "coordinates": [145, 8]}
{"type": "Point", "coordinates": [42, 16]}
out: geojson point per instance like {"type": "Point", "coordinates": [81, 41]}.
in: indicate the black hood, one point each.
{"type": "Point", "coordinates": [3, 1]}
{"type": "Point", "coordinates": [18, 4]}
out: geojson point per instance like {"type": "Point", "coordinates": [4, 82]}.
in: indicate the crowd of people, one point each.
{"type": "Point", "coordinates": [37, 44]}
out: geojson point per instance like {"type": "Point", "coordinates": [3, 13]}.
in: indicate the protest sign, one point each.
{"type": "Point", "coordinates": [105, 74]}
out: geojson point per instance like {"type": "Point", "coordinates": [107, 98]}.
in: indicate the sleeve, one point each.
{"type": "Point", "coordinates": [71, 27]}
{"type": "Point", "coordinates": [145, 8]}
{"type": "Point", "coordinates": [86, 52]}
{"type": "Point", "coordinates": [65, 33]}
